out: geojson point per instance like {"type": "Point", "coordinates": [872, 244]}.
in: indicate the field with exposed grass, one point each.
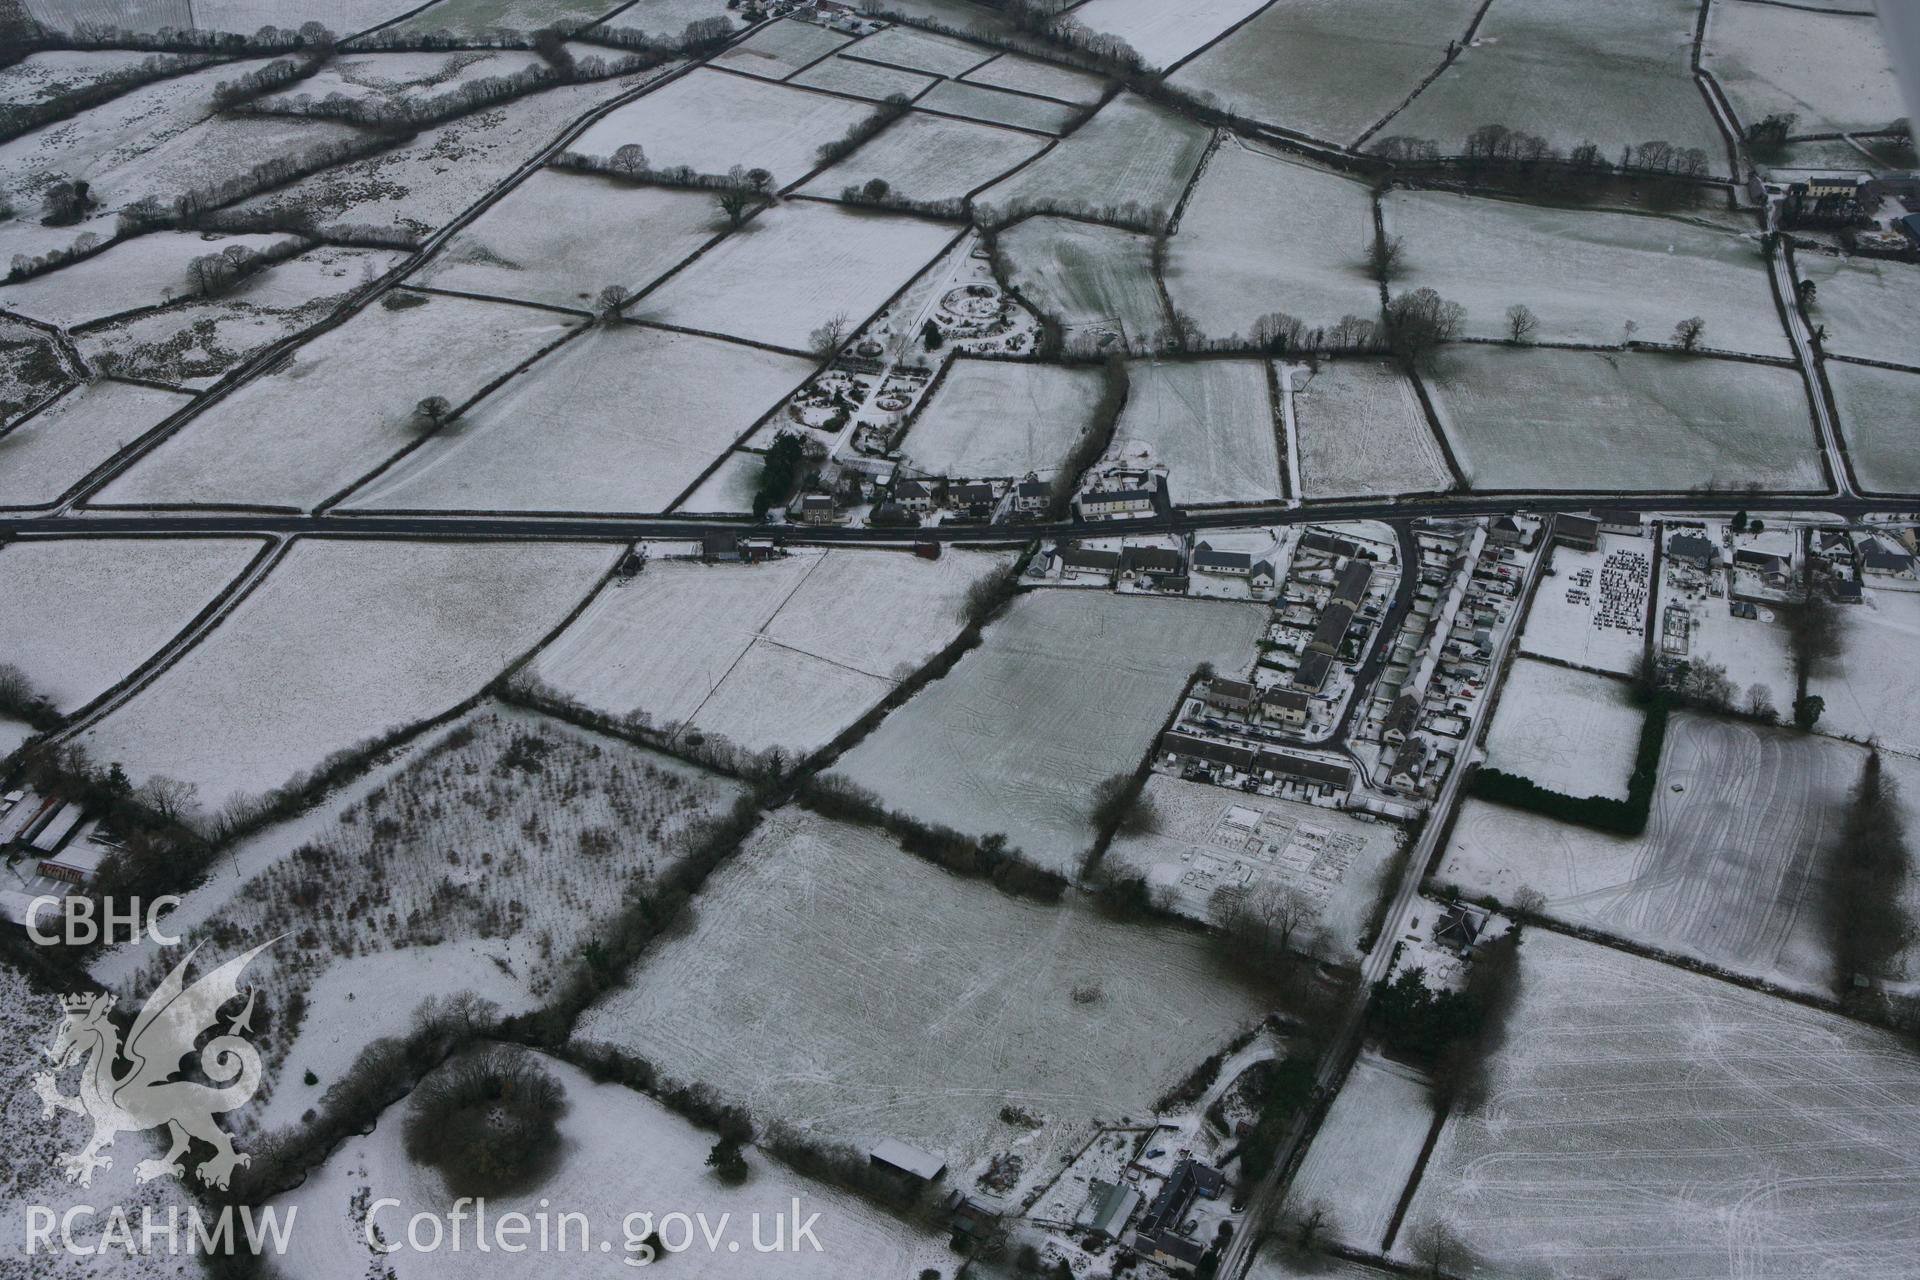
{"type": "Point", "coordinates": [1163, 34]}
{"type": "Point", "coordinates": [794, 268]}
{"type": "Point", "coordinates": [999, 418]}
{"type": "Point", "coordinates": [1646, 1122]}
{"type": "Point", "coordinates": [1880, 417]}
{"type": "Point", "coordinates": [1069, 688]}
{"type": "Point", "coordinates": [1088, 277]}
{"type": "Point", "coordinates": [475, 17]}
{"type": "Point", "coordinates": [143, 272]}
{"type": "Point", "coordinates": [621, 419]}
{"type": "Point", "coordinates": [1568, 731]}
{"type": "Point", "coordinates": [1364, 1151]}
{"type": "Point", "coordinates": [391, 78]}
{"type": "Point", "coordinates": [987, 1001]}
{"type": "Point", "coordinates": [862, 79]}
{"type": "Point", "coordinates": [1539, 419]}
{"type": "Point", "coordinates": [924, 157]}
{"type": "Point", "coordinates": [82, 613]}
{"type": "Point", "coordinates": [1211, 422]}
{"type": "Point", "coordinates": [1031, 75]}
{"type": "Point", "coordinates": [55, 73]}
{"type": "Point", "coordinates": [1362, 431]}
{"type": "Point", "coordinates": [1869, 307]}
{"type": "Point", "coordinates": [1330, 69]}
{"type": "Point", "coordinates": [780, 48]}
{"type": "Point", "coordinates": [47, 454]}
{"type": "Point", "coordinates": [976, 102]}
{"type": "Point", "coordinates": [669, 17]}
{"type": "Point", "coordinates": [1831, 70]}
{"type": "Point", "coordinates": [918, 50]}
{"type": "Point", "coordinates": [342, 406]}
{"type": "Point", "coordinates": [1132, 150]}
{"type": "Point", "coordinates": [560, 237]}
{"type": "Point", "coordinates": [342, 642]}
{"type": "Point", "coordinates": [1616, 75]}
{"type": "Point", "coordinates": [1263, 235]}
{"type": "Point", "coordinates": [1584, 275]}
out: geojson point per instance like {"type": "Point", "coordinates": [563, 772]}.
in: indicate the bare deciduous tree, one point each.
{"type": "Point", "coordinates": [1687, 333]}
{"type": "Point", "coordinates": [826, 339]}
{"type": "Point", "coordinates": [1522, 324]}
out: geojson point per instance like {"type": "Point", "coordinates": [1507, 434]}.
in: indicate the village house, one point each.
{"type": "Point", "coordinates": [1409, 766]}
{"type": "Point", "coordinates": [1161, 1237]}
{"type": "Point", "coordinates": [1261, 578]}
{"type": "Point", "coordinates": [1878, 560]}
{"type": "Point", "coordinates": [1505, 531]}
{"type": "Point", "coordinates": [1030, 496]}
{"type": "Point", "coordinates": [1772, 570]}
{"type": "Point", "coordinates": [1401, 721]}
{"type": "Point", "coordinates": [1286, 707]}
{"type": "Point", "coordinates": [1157, 567]}
{"type": "Point", "coordinates": [1235, 696]}
{"type": "Point", "coordinates": [1076, 562]}
{"type": "Point", "coordinates": [1693, 550]}
{"type": "Point", "coordinates": [1331, 632]}
{"type": "Point", "coordinates": [1616, 520]}
{"type": "Point", "coordinates": [1312, 672]}
{"type": "Point", "coordinates": [1351, 587]}
{"type": "Point", "coordinates": [1109, 504]}
{"type": "Point", "coordinates": [815, 508]}
{"type": "Point", "coordinates": [914, 495]}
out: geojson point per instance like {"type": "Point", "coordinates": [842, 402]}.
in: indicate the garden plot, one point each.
{"type": "Point", "coordinates": [1211, 839]}
{"type": "Point", "coordinates": [1570, 420]}
{"type": "Point", "coordinates": [622, 419]}
{"type": "Point", "coordinates": [1870, 308]}
{"type": "Point", "coordinates": [422, 185]}
{"type": "Point", "coordinates": [342, 642]}
{"type": "Point", "coordinates": [984, 1002]}
{"type": "Point", "coordinates": [392, 79]}
{"type": "Point", "coordinates": [1728, 869]}
{"type": "Point", "coordinates": [1162, 34]}
{"type": "Point", "coordinates": [485, 865]}
{"type": "Point", "coordinates": [1068, 689]}
{"type": "Point", "coordinates": [918, 50]}
{"type": "Point", "coordinates": [344, 404]}
{"type": "Point", "coordinates": [1870, 692]}
{"type": "Point", "coordinates": [1043, 79]}
{"type": "Point", "coordinates": [1263, 235]}
{"type": "Point", "coordinates": [1365, 1151]}
{"type": "Point", "coordinates": [1585, 275]}
{"type": "Point", "coordinates": [1880, 418]}
{"type": "Point", "coordinates": [923, 157]}
{"type": "Point", "coordinates": [193, 343]}
{"type": "Point", "coordinates": [80, 614]}
{"type": "Point", "coordinates": [622, 1151]}
{"type": "Point", "coordinates": [1591, 609]}
{"type": "Point", "coordinates": [686, 642]}
{"type": "Point", "coordinates": [999, 418]}
{"type": "Point", "coordinates": [862, 79]}
{"type": "Point", "coordinates": [710, 121]}
{"type": "Point", "coordinates": [1361, 431]}
{"type": "Point", "coordinates": [477, 17]}
{"type": "Point", "coordinates": [1647, 1122]}
{"type": "Point", "coordinates": [781, 48]}
{"type": "Point", "coordinates": [1211, 423]}
{"type": "Point", "coordinates": [1568, 731]}
{"type": "Point", "coordinates": [1330, 69]}
{"type": "Point", "coordinates": [560, 237]}
{"type": "Point", "coordinates": [1131, 151]}
{"type": "Point", "coordinates": [1571, 72]}
{"type": "Point", "coordinates": [45, 455]}
{"type": "Point", "coordinates": [142, 272]}
{"type": "Point", "coordinates": [1831, 70]}
{"type": "Point", "coordinates": [794, 268]}
{"type": "Point", "coordinates": [1097, 281]}
{"type": "Point", "coordinates": [975, 102]}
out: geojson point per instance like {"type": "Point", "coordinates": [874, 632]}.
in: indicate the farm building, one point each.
{"type": "Point", "coordinates": [898, 1157]}
{"type": "Point", "coordinates": [1578, 532]}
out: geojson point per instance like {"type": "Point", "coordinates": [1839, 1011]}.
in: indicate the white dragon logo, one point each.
{"type": "Point", "coordinates": [146, 1095]}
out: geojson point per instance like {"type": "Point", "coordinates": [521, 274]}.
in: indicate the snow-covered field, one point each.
{"type": "Point", "coordinates": [1614, 74]}
{"type": "Point", "coordinates": [1364, 1151]}
{"type": "Point", "coordinates": [730, 488]}
{"type": "Point", "coordinates": [79, 614]}
{"type": "Point", "coordinates": [703, 644]}
{"type": "Point", "coordinates": [921, 51]}
{"type": "Point", "coordinates": [839, 983]}
{"type": "Point", "coordinates": [668, 17]}
{"type": "Point", "coordinates": [1263, 235]}
{"type": "Point", "coordinates": [923, 157]}
{"type": "Point", "coordinates": [1540, 419]}
{"type": "Point", "coordinates": [1327, 68]}
{"type": "Point", "coordinates": [1591, 609]}
{"type": "Point", "coordinates": [561, 237]}
{"type": "Point", "coordinates": [1728, 868]}
{"type": "Point", "coordinates": [1879, 416]}
{"type": "Point", "coordinates": [1362, 431]}
{"type": "Point", "coordinates": [1832, 70]}
{"type": "Point", "coordinates": [793, 268]}
{"type": "Point", "coordinates": [344, 17]}
{"type": "Point", "coordinates": [47, 454]}
{"type": "Point", "coordinates": [622, 418]}
{"type": "Point", "coordinates": [862, 79]}
{"type": "Point", "coordinates": [342, 641]}
{"type": "Point", "coordinates": [1569, 731]}
{"type": "Point", "coordinates": [1132, 149]}
{"type": "Point", "coordinates": [1648, 1123]}
{"type": "Point", "coordinates": [1066, 690]}
{"type": "Point", "coordinates": [1210, 838]}
{"type": "Point", "coordinates": [977, 102]}
{"type": "Point", "coordinates": [1163, 34]}
{"type": "Point", "coordinates": [1044, 79]}
{"type": "Point", "coordinates": [1585, 274]}
{"type": "Point", "coordinates": [713, 121]}
{"type": "Point", "coordinates": [1213, 424]}
{"type": "Point", "coordinates": [1086, 275]}
{"type": "Point", "coordinates": [54, 73]}
{"type": "Point", "coordinates": [475, 17]}
{"type": "Point", "coordinates": [780, 48]}
{"type": "Point", "coordinates": [1001, 418]}
{"type": "Point", "coordinates": [624, 1154]}
{"type": "Point", "coordinates": [1870, 691]}
{"type": "Point", "coordinates": [191, 344]}
{"type": "Point", "coordinates": [391, 78]}
{"type": "Point", "coordinates": [343, 405]}
{"type": "Point", "coordinates": [141, 272]}
{"type": "Point", "coordinates": [1870, 307]}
